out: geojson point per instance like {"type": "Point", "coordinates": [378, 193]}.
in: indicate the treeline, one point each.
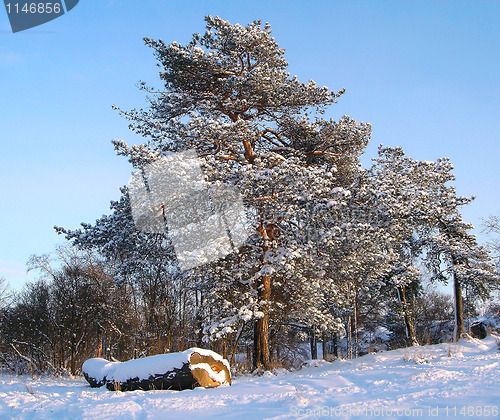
{"type": "Point", "coordinates": [78, 311]}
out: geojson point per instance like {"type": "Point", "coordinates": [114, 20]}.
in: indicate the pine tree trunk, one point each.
{"type": "Point", "coordinates": [349, 338]}
{"type": "Point", "coordinates": [459, 308]}
{"type": "Point", "coordinates": [355, 326]}
{"type": "Point", "coordinates": [314, 344]}
{"type": "Point", "coordinates": [262, 356]}
{"type": "Point", "coordinates": [324, 347]}
{"type": "Point", "coordinates": [410, 329]}
{"type": "Point", "coordinates": [236, 342]}
{"type": "Point", "coordinates": [72, 362]}
{"type": "Point", "coordinates": [198, 319]}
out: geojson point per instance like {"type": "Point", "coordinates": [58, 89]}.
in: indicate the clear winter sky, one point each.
{"type": "Point", "coordinates": [424, 73]}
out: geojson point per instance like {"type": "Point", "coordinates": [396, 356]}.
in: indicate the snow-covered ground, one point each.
{"type": "Point", "coordinates": [442, 381]}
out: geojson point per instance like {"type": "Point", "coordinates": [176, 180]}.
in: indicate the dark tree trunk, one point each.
{"type": "Point", "coordinates": [261, 354]}
{"type": "Point", "coordinates": [324, 345]}
{"type": "Point", "coordinates": [249, 357]}
{"type": "Point", "coordinates": [73, 363]}
{"type": "Point", "coordinates": [198, 319]}
{"type": "Point", "coordinates": [314, 344]}
{"type": "Point", "coordinates": [335, 346]}
{"type": "Point", "coordinates": [410, 329]}
{"type": "Point", "coordinates": [236, 342]}
{"type": "Point", "coordinates": [459, 308]}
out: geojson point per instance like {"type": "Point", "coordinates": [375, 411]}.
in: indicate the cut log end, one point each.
{"type": "Point", "coordinates": [209, 372]}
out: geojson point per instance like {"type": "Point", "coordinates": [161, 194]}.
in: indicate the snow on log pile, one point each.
{"type": "Point", "coordinates": [176, 371]}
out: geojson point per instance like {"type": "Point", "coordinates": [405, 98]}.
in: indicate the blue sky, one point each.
{"type": "Point", "coordinates": [425, 74]}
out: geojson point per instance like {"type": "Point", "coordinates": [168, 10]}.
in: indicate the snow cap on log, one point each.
{"type": "Point", "coordinates": [93, 371]}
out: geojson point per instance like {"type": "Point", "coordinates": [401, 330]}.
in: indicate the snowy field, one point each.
{"type": "Point", "coordinates": [442, 381]}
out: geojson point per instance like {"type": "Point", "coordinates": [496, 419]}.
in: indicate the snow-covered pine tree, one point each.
{"type": "Point", "coordinates": [491, 227]}
{"type": "Point", "coordinates": [227, 95]}
{"type": "Point", "coordinates": [403, 192]}
{"type": "Point", "coordinates": [356, 259]}
{"type": "Point", "coordinates": [136, 255]}
{"type": "Point", "coordinates": [454, 255]}
{"type": "Point", "coordinates": [411, 201]}
{"type": "Point", "coordinates": [423, 215]}
{"type": "Point", "coordinates": [146, 263]}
